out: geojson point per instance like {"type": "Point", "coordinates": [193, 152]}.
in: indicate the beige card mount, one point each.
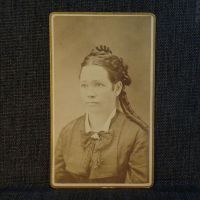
{"type": "Point", "coordinates": [102, 99]}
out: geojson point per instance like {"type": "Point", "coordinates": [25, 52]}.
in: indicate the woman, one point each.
{"type": "Point", "coordinates": [104, 145]}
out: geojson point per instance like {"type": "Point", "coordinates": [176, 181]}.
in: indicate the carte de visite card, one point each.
{"type": "Point", "coordinates": [102, 99]}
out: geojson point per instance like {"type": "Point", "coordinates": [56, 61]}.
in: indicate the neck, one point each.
{"type": "Point", "coordinates": [97, 120]}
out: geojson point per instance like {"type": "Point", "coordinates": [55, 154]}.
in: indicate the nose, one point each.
{"type": "Point", "coordinates": [91, 93]}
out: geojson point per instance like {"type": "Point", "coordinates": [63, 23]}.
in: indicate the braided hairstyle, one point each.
{"type": "Point", "coordinates": [117, 71]}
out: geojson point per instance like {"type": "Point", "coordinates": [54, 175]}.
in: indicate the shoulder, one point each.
{"type": "Point", "coordinates": [67, 129]}
{"type": "Point", "coordinates": [131, 128]}
{"type": "Point", "coordinates": [128, 123]}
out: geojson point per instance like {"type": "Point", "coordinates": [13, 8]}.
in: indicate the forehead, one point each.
{"type": "Point", "coordinates": [94, 72]}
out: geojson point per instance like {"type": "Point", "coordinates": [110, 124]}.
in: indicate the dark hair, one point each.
{"type": "Point", "coordinates": [117, 71]}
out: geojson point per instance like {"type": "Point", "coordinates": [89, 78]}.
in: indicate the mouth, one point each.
{"type": "Point", "coordinates": [92, 103]}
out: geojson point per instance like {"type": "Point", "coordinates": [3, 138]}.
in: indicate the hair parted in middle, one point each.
{"type": "Point", "coordinates": [117, 71]}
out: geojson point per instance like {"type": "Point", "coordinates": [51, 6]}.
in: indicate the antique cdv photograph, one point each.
{"type": "Point", "coordinates": [102, 99]}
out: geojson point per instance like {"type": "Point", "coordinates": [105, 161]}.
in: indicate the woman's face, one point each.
{"type": "Point", "coordinates": [96, 89]}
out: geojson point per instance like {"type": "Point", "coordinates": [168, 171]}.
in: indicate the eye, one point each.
{"type": "Point", "coordinates": [84, 85]}
{"type": "Point", "coordinates": [98, 84]}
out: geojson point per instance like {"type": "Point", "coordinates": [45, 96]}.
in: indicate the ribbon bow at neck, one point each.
{"type": "Point", "coordinates": [101, 139]}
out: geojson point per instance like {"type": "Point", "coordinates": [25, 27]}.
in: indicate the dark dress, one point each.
{"type": "Point", "coordinates": [120, 156]}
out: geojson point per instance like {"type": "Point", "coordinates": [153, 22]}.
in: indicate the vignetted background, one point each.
{"type": "Point", "coordinates": [25, 99]}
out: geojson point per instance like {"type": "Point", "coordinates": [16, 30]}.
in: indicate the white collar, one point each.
{"type": "Point", "coordinates": [105, 127]}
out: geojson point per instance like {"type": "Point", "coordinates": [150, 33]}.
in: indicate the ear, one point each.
{"type": "Point", "coordinates": [118, 88]}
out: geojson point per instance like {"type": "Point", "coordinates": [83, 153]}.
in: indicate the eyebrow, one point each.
{"type": "Point", "coordinates": [91, 81]}
{"type": "Point", "coordinates": [97, 81]}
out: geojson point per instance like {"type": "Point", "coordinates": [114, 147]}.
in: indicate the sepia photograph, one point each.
{"type": "Point", "coordinates": [102, 99]}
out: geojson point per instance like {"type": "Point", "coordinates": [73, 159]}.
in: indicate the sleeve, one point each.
{"type": "Point", "coordinates": [59, 161]}
{"type": "Point", "coordinates": [138, 161]}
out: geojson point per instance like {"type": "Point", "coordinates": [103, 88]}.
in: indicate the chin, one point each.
{"type": "Point", "coordinates": [94, 109]}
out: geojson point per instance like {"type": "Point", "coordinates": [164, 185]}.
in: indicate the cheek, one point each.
{"type": "Point", "coordinates": [82, 93]}
{"type": "Point", "coordinates": [107, 94]}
